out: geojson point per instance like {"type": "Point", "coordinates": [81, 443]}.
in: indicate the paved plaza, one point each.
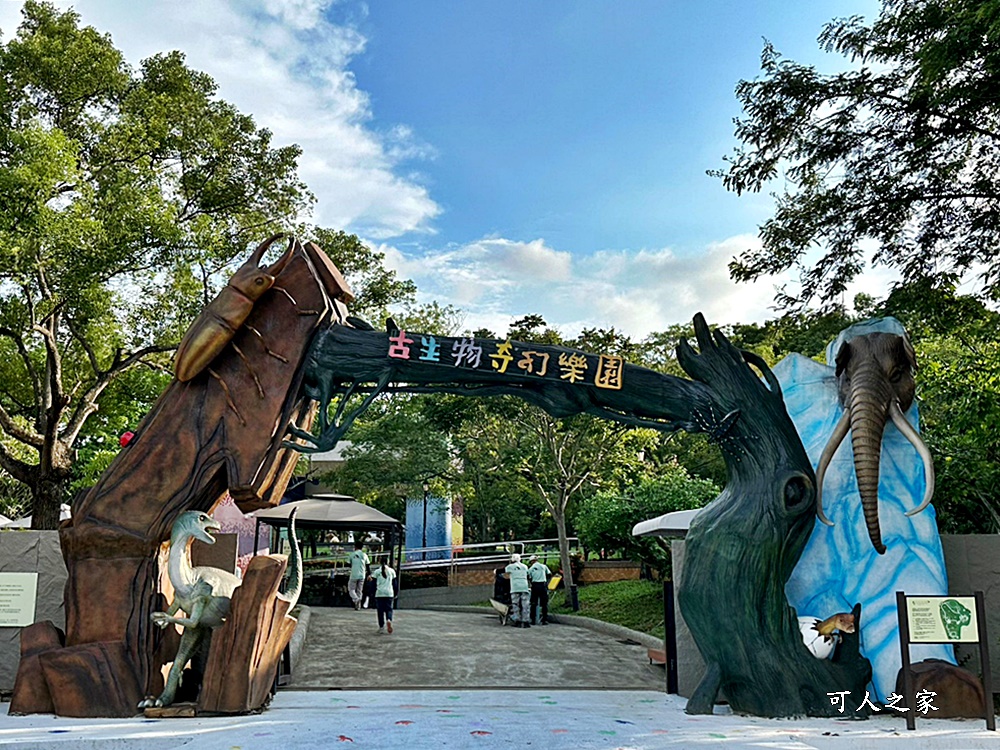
{"type": "Point", "coordinates": [556, 687]}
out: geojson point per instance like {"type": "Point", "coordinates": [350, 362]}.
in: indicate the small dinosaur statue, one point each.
{"type": "Point", "coordinates": [822, 636]}
{"type": "Point", "coordinates": [204, 593]}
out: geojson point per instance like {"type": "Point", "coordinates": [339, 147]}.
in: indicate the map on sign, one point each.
{"type": "Point", "coordinates": [942, 619]}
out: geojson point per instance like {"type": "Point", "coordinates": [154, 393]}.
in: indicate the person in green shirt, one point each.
{"type": "Point", "coordinates": [385, 592]}
{"type": "Point", "coordinates": [517, 572]}
{"type": "Point", "coordinates": [359, 572]}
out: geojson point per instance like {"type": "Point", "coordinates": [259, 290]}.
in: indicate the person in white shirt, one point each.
{"type": "Point", "coordinates": [517, 572]}
{"type": "Point", "coordinates": [538, 576]}
{"type": "Point", "coordinates": [385, 592]}
{"type": "Point", "coordinates": [359, 572]}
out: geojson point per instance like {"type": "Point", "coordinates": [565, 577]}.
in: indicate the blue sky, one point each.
{"type": "Point", "coordinates": [510, 157]}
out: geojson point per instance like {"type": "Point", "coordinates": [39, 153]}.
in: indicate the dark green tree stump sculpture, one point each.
{"type": "Point", "coordinates": [742, 548]}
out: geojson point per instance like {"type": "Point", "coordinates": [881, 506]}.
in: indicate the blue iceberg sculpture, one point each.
{"type": "Point", "coordinates": [839, 565]}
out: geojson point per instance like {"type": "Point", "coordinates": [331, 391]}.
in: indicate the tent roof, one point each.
{"type": "Point", "coordinates": [329, 512]}
{"type": "Point", "coordinates": [25, 522]}
{"type": "Point", "coordinates": [669, 524]}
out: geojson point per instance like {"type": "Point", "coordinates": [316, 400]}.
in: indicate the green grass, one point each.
{"type": "Point", "coordinates": [633, 604]}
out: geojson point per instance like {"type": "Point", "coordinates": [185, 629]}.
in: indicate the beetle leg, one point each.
{"type": "Point", "coordinates": [286, 293]}
{"type": "Point", "coordinates": [229, 398]}
{"type": "Point", "coordinates": [292, 299]}
{"type": "Point", "coordinates": [261, 337]}
{"type": "Point", "coordinates": [256, 380]}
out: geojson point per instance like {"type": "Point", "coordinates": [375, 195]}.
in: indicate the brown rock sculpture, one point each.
{"type": "Point", "coordinates": [957, 692]}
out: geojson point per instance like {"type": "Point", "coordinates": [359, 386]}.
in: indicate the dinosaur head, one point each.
{"type": "Point", "coordinates": [198, 525]}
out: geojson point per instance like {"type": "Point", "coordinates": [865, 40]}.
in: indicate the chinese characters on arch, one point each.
{"type": "Point", "coordinates": [510, 358]}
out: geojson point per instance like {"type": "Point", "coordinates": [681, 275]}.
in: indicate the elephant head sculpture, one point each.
{"type": "Point", "coordinates": [875, 384]}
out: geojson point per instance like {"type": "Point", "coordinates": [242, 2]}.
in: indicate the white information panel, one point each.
{"type": "Point", "coordinates": [17, 599]}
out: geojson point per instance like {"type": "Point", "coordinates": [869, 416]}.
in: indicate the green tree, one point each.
{"type": "Point", "coordinates": [605, 520]}
{"type": "Point", "coordinates": [806, 332]}
{"type": "Point", "coordinates": [123, 405]}
{"type": "Point", "coordinates": [567, 459]}
{"type": "Point", "coordinates": [898, 156]}
{"type": "Point", "coordinates": [126, 193]}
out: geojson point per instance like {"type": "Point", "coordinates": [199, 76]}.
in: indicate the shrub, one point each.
{"type": "Point", "coordinates": [605, 520]}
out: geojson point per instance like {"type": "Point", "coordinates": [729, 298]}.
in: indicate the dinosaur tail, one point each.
{"type": "Point", "coordinates": [294, 587]}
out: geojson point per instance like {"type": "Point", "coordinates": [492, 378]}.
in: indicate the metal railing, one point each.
{"type": "Point", "coordinates": [450, 557]}
{"type": "Point", "coordinates": [454, 556]}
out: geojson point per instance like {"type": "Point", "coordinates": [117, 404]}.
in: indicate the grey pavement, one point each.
{"type": "Point", "coordinates": [465, 650]}
{"type": "Point", "coordinates": [394, 714]}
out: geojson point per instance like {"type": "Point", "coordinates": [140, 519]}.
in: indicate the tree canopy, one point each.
{"type": "Point", "coordinates": [605, 520]}
{"type": "Point", "coordinates": [894, 161]}
{"type": "Point", "coordinates": [128, 193]}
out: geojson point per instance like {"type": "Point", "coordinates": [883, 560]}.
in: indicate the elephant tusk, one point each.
{"type": "Point", "coordinates": [914, 437]}
{"type": "Point", "coordinates": [839, 433]}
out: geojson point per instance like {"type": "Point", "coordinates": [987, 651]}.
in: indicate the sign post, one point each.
{"type": "Point", "coordinates": [943, 619]}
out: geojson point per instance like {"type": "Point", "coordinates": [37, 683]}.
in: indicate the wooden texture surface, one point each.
{"type": "Point", "coordinates": [221, 430]}
{"type": "Point", "coordinates": [245, 651]}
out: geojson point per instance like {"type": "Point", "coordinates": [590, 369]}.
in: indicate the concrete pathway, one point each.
{"type": "Point", "coordinates": [487, 719]}
{"type": "Point", "coordinates": [465, 650]}
{"type": "Point", "coordinates": [437, 648]}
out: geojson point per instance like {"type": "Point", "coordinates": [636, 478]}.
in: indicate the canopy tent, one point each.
{"type": "Point", "coordinates": [336, 513]}
{"type": "Point", "coordinates": [25, 522]}
{"type": "Point", "coordinates": [669, 524]}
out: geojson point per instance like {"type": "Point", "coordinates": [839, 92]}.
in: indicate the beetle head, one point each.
{"type": "Point", "coordinates": [251, 279]}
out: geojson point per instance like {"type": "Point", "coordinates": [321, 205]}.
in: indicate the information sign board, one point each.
{"type": "Point", "coordinates": [17, 599]}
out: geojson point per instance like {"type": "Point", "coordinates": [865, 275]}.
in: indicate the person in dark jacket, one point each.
{"type": "Point", "coordinates": [538, 576]}
{"type": "Point", "coordinates": [501, 587]}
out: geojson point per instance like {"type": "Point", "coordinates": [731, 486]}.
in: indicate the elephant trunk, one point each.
{"type": "Point", "coordinates": [869, 407]}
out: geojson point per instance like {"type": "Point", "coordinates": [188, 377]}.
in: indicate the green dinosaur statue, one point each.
{"type": "Point", "coordinates": [204, 593]}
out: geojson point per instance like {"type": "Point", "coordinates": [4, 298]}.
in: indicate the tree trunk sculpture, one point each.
{"type": "Point", "coordinates": [222, 429]}
{"type": "Point", "coordinates": [743, 546]}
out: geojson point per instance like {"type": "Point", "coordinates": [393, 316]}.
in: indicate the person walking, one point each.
{"type": "Point", "coordinates": [517, 572]}
{"type": "Point", "coordinates": [385, 592]}
{"type": "Point", "coordinates": [359, 572]}
{"type": "Point", "coordinates": [538, 576]}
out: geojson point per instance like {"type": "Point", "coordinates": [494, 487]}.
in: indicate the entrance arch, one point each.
{"type": "Point", "coordinates": [240, 423]}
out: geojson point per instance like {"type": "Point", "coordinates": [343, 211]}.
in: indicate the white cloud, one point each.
{"type": "Point", "coordinates": [300, 14]}
{"type": "Point", "coordinates": [496, 280]}
{"type": "Point", "coordinates": [285, 64]}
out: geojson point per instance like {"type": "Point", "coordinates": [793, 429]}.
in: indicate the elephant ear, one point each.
{"type": "Point", "coordinates": [911, 355]}
{"type": "Point", "coordinates": [843, 357]}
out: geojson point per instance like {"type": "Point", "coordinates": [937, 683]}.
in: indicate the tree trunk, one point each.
{"type": "Point", "coordinates": [567, 571]}
{"type": "Point", "coordinates": [47, 496]}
